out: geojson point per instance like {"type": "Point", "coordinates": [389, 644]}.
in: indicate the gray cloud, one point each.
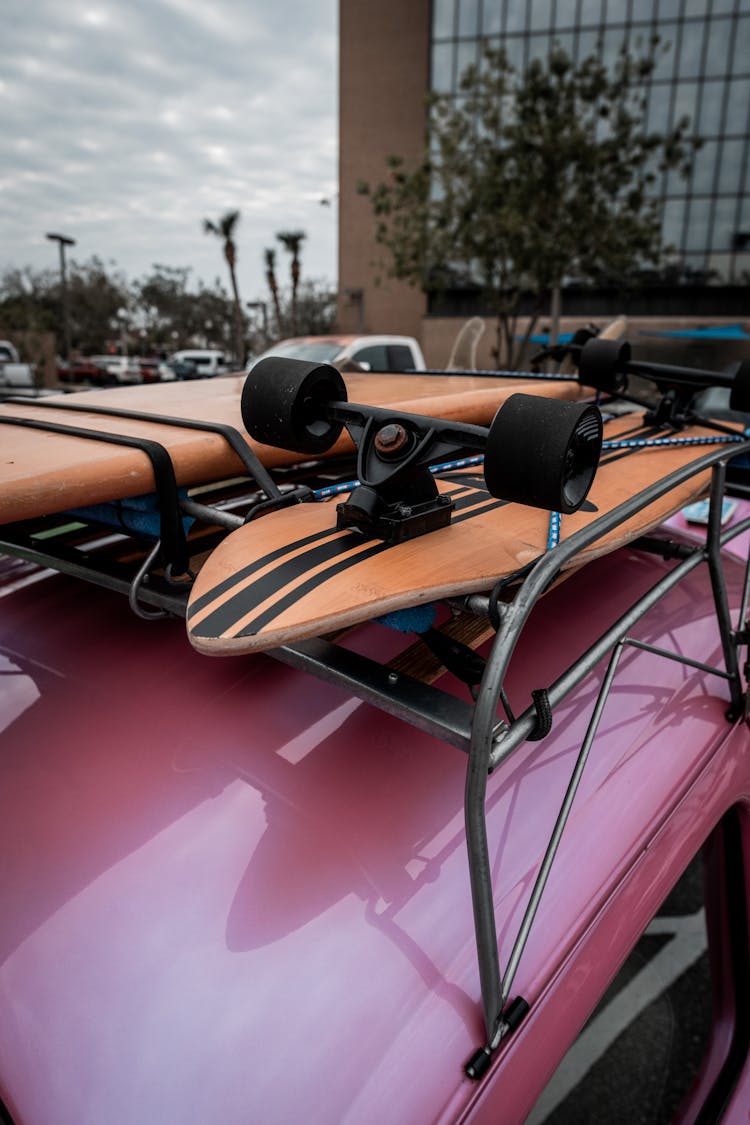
{"type": "Point", "coordinates": [125, 124]}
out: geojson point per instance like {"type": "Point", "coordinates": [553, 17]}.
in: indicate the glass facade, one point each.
{"type": "Point", "coordinates": [703, 71]}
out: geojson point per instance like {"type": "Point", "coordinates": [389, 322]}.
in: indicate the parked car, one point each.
{"type": "Point", "coordinates": [118, 368]}
{"type": "Point", "coordinates": [156, 371]}
{"type": "Point", "coordinates": [206, 362]}
{"type": "Point", "coordinates": [81, 370]}
{"type": "Point", "coordinates": [366, 353]}
{"type": "Point", "coordinates": [13, 373]}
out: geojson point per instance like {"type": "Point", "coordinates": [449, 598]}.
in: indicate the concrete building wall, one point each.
{"type": "Point", "coordinates": [383, 83]}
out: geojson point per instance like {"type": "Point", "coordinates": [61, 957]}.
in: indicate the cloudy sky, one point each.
{"type": "Point", "coordinates": [125, 123]}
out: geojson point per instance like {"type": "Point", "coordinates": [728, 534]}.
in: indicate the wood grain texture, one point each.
{"type": "Point", "coordinates": [44, 473]}
{"type": "Point", "coordinates": [291, 575]}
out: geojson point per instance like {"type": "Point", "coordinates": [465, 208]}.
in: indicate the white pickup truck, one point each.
{"type": "Point", "coordinates": [13, 373]}
{"type": "Point", "coordinates": [364, 353]}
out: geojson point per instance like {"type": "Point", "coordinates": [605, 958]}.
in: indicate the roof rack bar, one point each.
{"type": "Point", "coordinates": [232, 436]}
{"type": "Point", "coordinates": [484, 721]}
{"type": "Point", "coordinates": [172, 532]}
{"type": "Point", "coordinates": [423, 706]}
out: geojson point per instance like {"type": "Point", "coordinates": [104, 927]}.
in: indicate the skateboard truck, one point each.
{"type": "Point", "coordinates": [607, 365]}
{"type": "Point", "coordinates": [538, 451]}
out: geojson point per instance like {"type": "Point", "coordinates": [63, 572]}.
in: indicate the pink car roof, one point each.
{"type": "Point", "coordinates": [233, 893]}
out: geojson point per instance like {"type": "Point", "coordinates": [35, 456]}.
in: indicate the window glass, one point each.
{"type": "Point", "coordinates": [376, 355]}
{"type": "Point", "coordinates": [691, 50]}
{"type": "Point", "coordinates": [720, 266]}
{"type": "Point", "coordinates": [684, 102]}
{"type": "Point", "coordinates": [588, 44]}
{"type": "Point", "coordinates": [442, 18]}
{"type": "Point", "coordinates": [664, 54]}
{"type": "Point", "coordinates": [515, 15]}
{"type": "Point", "coordinates": [613, 41]}
{"type": "Point", "coordinates": [704, 166]}
{"type": "Point", "coordinates": [491, 17]}
{"type": "Point", "coordinates": [400, 358]}
{"type": "Point", "coordinates": [466, 54]}
{"type": "Point", "coordinates": [696, 237]}
{"type": "Point", "coordinates": [742, 43]}
{"type": "Point", "coordinates": [725, 224]}
{"type": "Point", "coordinates": [674, 216]}
{"type": "Point", "coordinates": [738, 105]}
{"type": "Point", "coordinates": [565, 13]}
{"type": "Point", "coordinates": [719, 42]}
{"type": "Point", "coordinates": [643, 10]}
{"type": "Point", "coordinates": [711, 100]}
{"type": "Point", "coordinates": [591, 11]}
{"type": "Point", "coordinates": [468, 17]}
{"type": "Point", "coordinates": [695, 8]}
{"type": "Point", "coordinates": [669, 9]}
{"type": "Point", "coordinates": [566, 41]}
{"type": "Point", "coordinates": [658, 109]}
{"type": "Point", "coordinates": [732, 167]}
{"type": "Point", "coordinates": [538, 47]}
{"type": "Point", "coordinates": [541, 15]}
{"type": "Point", "coordinates": [442, 67]}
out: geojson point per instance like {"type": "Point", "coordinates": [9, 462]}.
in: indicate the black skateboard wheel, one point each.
{"type": "Point", "coordinates": [739, 398]}
{"type": "Point", "coordinates": [285, 403]}
{"type": "Point", "coordinates": [543, 452]}
{"type": "Point", "coordinates": [602, 364]}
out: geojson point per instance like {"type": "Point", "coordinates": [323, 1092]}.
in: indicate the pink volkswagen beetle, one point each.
{"type": "Point", "coordinates": [304, 887]}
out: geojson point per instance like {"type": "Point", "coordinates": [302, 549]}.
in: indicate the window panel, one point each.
{"type": "Point", "coordinates": [515, 15]}
{"type": "Point", "coordinates": [732, 167]}
{"type": "Point", "coordinates": [684, 103]}
{"type": "Point", "coordinates": [566, 13]}
{"type": "Point", "coordinates": [697, 228]}
{"type": "Point", "coordinates": [643, 11]}
{"type": "Point", "coordinates": [704, 167]}
{"type": "Point", "coordinates": [738, 105]}
{"type": "Point", "coordinates": [491, 17]}
{"type": "Point", "coordinates": [669, 9]}
{"type": "Point", "coordinates": [591, 11]}
{"type": "Point", "coordinates": [658, 109]}
{"type": "Point", "coordinates": [442, 18]}
{"type": "Point", "coordinates": [466, 54]}
{"type": "Point", "coordinates": [588, 44]}
{"type": "Point", "coordinates": [674, 217]}
{"type": "Point", "coordinates": [538, 48]}
{"type": "Point", "coordinates": [468, 17]}
{"type": "Point", "coordinates": [725, 224]}
{"type": "Point", "coordinates": [721, 266]}
{"type": "Point", "coordinates": [665, 51]}
{"type": "Point", "coordinates": [709, 117]}
{"type": "Point", "coordinates": [612, 45]}
{"type": "Point", "coordinates": [442, 67]}
{"type": "Point", "coordinates": [741, 63]}
{"type": "Point", "coordinates": [691, 50]}
{"type": "Point", "coordinates": [566, 40]}
{"type": "Point", "coordinates": [719, 42]}
{"type": "Point", "coordinates": [541, 15]}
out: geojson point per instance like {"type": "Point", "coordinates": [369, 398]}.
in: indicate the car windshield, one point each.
{"type": "Point", "coordinates": [323, 350]}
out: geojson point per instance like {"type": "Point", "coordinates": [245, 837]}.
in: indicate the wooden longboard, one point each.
{"type": "Point", "coordinates": [42, 473]}
{"type": "Point", "coordinates": [291, 575]}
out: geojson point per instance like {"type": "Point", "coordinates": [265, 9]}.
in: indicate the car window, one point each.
{"type": "Point", "coordinates": [323, 350]}
{"type": "Point", "coordinates": [376, 355]}
{"type": "Point", "coordinates": [400, 358]}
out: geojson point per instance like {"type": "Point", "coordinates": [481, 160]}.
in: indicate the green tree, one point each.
{"type": "Point", "coordinates": [292, 240]}
{"type": "Point", "coordinates": [527, 179]}
{"type": "Point", "coordinates": [224, 229]}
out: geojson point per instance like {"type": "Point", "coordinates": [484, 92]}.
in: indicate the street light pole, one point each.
{"type": "Point", "coordinates": [63, 241]}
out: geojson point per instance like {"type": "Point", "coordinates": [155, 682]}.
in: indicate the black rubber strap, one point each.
{"type": "Point", "coordinates": [232, 436]}
{"type": "Point", "coordinates": [172, 534]}
{"type": "Point", "coordinates": [543, 724]}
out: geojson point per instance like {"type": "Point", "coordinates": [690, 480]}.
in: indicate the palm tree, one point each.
{"type": "Point", "coordinates": [224, 229]}
{"type": "Point", "coordinates": [292, 240]}
{"type": "Point", "coordinates": [270, 256]}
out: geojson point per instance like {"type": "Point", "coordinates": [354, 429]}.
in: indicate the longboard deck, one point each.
{"type": "Point", "coordinates": [291, 575]}
{"type": "Point", "coordinates": [42, 473]}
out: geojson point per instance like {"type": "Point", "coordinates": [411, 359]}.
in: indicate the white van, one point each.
{"type": "Point", "coordinates": [206, 361]}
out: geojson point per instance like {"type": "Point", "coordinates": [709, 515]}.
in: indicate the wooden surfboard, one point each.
{"type": "Point", "coordinates": [45, 472]}
{"type": "Point", "coordinates": [291, 575]}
